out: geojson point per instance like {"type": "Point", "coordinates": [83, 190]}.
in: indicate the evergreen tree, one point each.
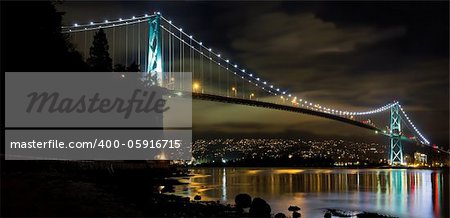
{"type": "Point", "coordinates": [38, 47]}
{"type": "Point", "coordinates": [133, 67]}
{"type": "Point", "coordinates": [119, 68]}
{"type": "Point", "coordinates": [99, 59]}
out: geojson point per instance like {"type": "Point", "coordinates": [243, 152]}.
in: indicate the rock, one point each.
{"type": "Point", "coordinates": [260, 208]}
{"type": "Point", "coordinates": [280, 215]}
{"type": "Point", "coordinates": [243, 200]}
{"type": "Point", "coordinates": [294, 208]}
{"type": "Point", "coordinates": [296, 214]}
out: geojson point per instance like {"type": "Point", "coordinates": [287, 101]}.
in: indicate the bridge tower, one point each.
{"type": "Point", "coordinates": [396, 149]}
{"type": "Point", "coordinates": [154, 64]}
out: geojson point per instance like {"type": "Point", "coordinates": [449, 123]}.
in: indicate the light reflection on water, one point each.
{"type": "Point", "coordinates": [397, 192]}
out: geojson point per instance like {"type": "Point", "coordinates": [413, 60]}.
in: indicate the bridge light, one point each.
{"type": "Point", "coordinates": [227, 60]}
{"type": "Point", "coordinates": [201, 43]}
{"type": "Point", "coordinates": [251, 75]}
{"type": "Point", "coordinates": [218, 55]}
{"type": "Point", "coordinates": [120, 19]}
{"type": "Point", "coordinates": [76, 24]}
{"type": "Point", "coordinates": [181, 29]}
{"type": "Point", "coordinates": [257, 78]}
{"type": "Point", "coordinates": [195, 87]}
{"type": "Point", "coordinates": [209, 49]}
{"type": "Point", "coordinates": [92, 23]}
{"type": "Point", "coordinates": [146, 15]}
{"type": "Point", "coordinates": [278, 90]}
{"type": "Point", "coordinates": [106, 21]}
{"type": "Point", "coordinates": [284, 93]}
{"type": "Point", "coordinates": [235, 66]}
{"type": "Point", "coordinates": [265, 83]}
{"type": "Point", "coordinates": [271, 86]}
{"type": "Point", "coordinates": [190, 36]}
{"type": "Point", "coordinates": [170, 21]}
{"type": "Point", "coordinates": [243, 70]}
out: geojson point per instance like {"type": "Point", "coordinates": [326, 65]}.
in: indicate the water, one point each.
{"type": "Point", "coordinates": [396, 192]}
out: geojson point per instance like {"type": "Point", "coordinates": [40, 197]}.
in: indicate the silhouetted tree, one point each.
{"type": "Point", "coordinates": [119, 68]}
{"type": "Point", "coordinates": [99, 59]}
{"type": "Point", "coordinates": [39, 46]}
{"type": "Point", "coordinates": [133, 67]}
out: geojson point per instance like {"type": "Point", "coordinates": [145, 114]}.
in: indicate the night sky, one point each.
{"type": "Point", "coordinates": [353, 56]}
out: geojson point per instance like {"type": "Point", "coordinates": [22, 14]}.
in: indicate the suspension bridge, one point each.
{"type": "Point", "coordinates": [163, 51]}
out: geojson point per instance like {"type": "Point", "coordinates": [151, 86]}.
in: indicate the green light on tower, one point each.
{"type": "Point", "coordinates": [154, 64]}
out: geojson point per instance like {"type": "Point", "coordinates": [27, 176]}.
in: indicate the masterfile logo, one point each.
{"type": "Point", "coordinates": [95, 99]}
{"type": "Point", "coordinates": [140, 102]}
{"type": "Point", "coordinates": [97, 116]}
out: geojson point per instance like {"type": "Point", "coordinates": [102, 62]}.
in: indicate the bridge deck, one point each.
{"type": "Point", "coordinates": [216, 98]}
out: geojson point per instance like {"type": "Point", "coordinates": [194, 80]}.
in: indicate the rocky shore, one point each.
{"type": "Point", "coordinates": [95, 192]}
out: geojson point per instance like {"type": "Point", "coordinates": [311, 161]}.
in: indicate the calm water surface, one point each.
{"type": "Point", "coordinates": [397, 192]}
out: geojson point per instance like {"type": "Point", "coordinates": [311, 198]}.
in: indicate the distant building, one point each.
{"type": "Point", "coordinates": [408, 160]}
{"type": "Point", "coordinates": [420, 158]}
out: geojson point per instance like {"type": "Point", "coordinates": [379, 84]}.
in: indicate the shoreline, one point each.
{"type": "Point", "coordinates": [323, 167]}
{"type": "Point", "coordinates": [63, 190]}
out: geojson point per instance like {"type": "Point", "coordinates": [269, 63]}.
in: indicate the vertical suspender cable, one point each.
{"type": "Point", "coordinates": [139, 46]}
{"type": "Point", "coordinates": [114, 46]}
{"type": "Point", "coordinates": [126, 46]}
{"type": "Point", "coordinates": [85, 45]}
